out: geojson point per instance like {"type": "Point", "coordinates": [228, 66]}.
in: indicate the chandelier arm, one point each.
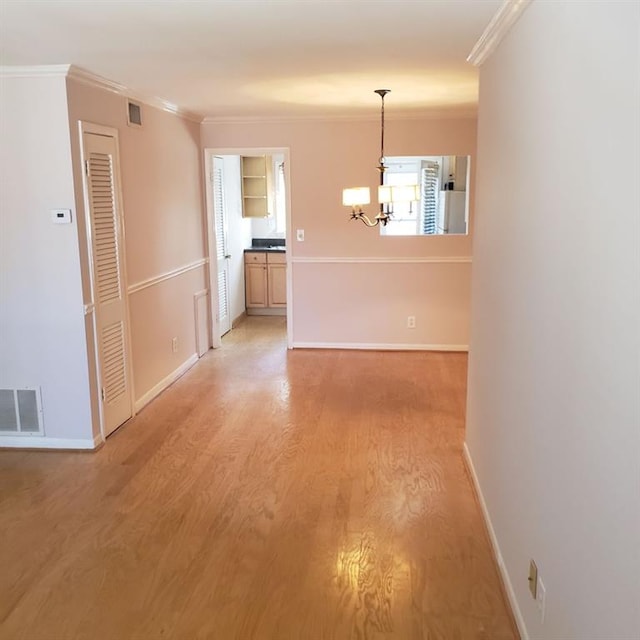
{"type": "Point", "coordinates": [365, 220]}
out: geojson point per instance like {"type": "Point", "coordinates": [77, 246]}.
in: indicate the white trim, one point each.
{"type": "Point", "coordinates": [44, 442]}
{"type": "Point", "coordinates": [210, 245]}
{"type": "Point", "coordinates": [373, 346]}
{"type": "Point", "coordinates": [443, 113]}
{"type": "Point", "coordinates": [93, 80]}
{"type": "Point", "coordinates": [34, 71]}
{"type": "Point", "coordinates": [98, 82]}
{"type": "Point", "coordinates": [496, 30]}
{"type": "Point", "coordinates": [496, 547]}
{"type": "Point", "coordinates": [382, 260]}
{"type": "Point", "coordinates": [145, 399]}
{"type": "Point", "coordinates": [203, 293]}
{"type": "Point", "coordinates": [150, 282]}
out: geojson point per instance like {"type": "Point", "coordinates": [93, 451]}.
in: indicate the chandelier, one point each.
{"type": "Point", "coordinates": [388, 195]}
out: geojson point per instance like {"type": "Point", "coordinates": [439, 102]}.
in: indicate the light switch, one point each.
{"type": "Point", "coordinates": [61, 216]}
{"type": "Point", "coordinates": [300, 235]}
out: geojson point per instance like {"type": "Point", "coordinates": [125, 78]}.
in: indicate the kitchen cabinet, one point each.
{"type": "Point", "coordinates": [255, 280]}
{"type": "Point", "coordinates": [257, 179]}
{"type": "Point", "coordinates": [265, 275]}
{"type": "Point", "coordinates": [276, 280]}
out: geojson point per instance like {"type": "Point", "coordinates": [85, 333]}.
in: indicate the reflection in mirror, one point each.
{"type": "Point", "coordinates": [443, 205]}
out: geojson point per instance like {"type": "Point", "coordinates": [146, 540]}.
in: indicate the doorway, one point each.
{"type": "Point", "coordinates": [231, 232]}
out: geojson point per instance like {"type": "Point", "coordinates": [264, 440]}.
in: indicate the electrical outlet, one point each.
{"type": "Point", "coordinates": [174, 345]}
{"type": "Point", "coordinates": [533, 578]}
{"type": "Point", "coordinates": [541, 598]}
{"type": "Point", "coordinates": [411, 322]}
{"type": "Point", "coordinates": [300, 235]}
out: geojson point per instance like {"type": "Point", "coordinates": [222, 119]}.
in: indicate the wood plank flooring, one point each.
{"type": "Point", "coordinates": [267, 495]}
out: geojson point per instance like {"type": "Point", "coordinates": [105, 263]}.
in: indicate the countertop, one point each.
{"type": "Point", "coordinates": [275, 249]}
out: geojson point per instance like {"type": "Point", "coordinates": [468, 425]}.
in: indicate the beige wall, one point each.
{"type": "Point", "coordinates": [42, 324]}
{"type": "Point", "coordinates": [553, 414]}
{"type": "Point", "coordinates": [164, 230]}
{"type": "Point", "coordinates": [328, 293]}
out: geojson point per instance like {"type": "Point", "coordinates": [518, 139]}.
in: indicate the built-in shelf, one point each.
{"type": "Point", "coordinates": [256, 186]}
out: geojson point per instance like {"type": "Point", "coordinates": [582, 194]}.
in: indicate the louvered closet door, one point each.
{"type": "Point", "coordinates": [109, 288]}
{"type": "Point", "coordinates": [222, 251]}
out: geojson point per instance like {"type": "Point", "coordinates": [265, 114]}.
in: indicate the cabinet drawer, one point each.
{"type": "Point", "coordinates": [254, 257]}
{"type": "Point", "coordinates": [277, 258]}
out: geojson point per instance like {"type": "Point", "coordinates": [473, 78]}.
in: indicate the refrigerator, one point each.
{"type": "Point", "coordinates": [452, 212]}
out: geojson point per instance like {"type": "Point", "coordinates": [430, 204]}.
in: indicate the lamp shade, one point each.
{"type": "Point", "coordinates": [356, 196]}
{"type": "Point", "coordinates": [406, 193]}
{"type": "Point", "coordinates": [394, 194]}
{"type": "Point", "coordinates": [385, 194]}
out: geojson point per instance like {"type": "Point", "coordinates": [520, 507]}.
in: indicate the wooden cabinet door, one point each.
{"type": "Point", "coordinates": [255, 276]}
{"type": "Point", "coordinates": [277, 285]}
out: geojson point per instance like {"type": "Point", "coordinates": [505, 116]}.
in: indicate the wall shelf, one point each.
{"type": "Point", "coordinates": [256, 186]}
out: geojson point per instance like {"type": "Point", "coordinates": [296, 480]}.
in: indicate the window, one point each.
{"type": "Point", "coordinates": [429, 192]}
{"type": "Point", "coordinates": [405, 221]}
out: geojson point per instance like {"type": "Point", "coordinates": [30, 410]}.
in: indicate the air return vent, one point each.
{"type": "Point", "coordinates": [20, 412]}
{"type": "Point", "coordinates": [134, 114]}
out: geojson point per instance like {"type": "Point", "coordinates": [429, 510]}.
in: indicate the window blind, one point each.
{"type": "Point", "coordinates": [429, 200]}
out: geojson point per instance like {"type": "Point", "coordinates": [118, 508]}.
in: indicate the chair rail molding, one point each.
{"type": "Point", "coordinates": [167, 275]}
{"type": "Point", "coordinates": [380, 260]}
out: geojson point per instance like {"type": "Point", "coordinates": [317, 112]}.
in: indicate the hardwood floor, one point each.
{"type": "Point", "coordinates": [268, 494]}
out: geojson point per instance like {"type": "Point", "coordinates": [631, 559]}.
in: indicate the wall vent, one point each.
{"type": "Point", "coordinates": [20, 412]}
{"type": "Point", "coordinates": [134, 114]}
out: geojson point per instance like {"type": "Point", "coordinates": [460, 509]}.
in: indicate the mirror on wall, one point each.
{"type": "Point", "coordinates": [443, 208]}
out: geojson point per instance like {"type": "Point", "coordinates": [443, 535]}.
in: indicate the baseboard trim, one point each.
{"type": "Point", "coordinates": [267, 311]}
{"type": "Point", "coordinates": [145, 399]}
{"type": "Point", "coordinates": [51, 444]}
{"type": "Point", "coordinates": [378, 346]}
{"type": "Point", "coordinates": [238, 320]}
{"type": "Point", "coordinates": [506, 580]}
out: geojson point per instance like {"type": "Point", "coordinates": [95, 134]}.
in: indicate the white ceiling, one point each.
{"type": "Point", "coordinates": [224, 58]}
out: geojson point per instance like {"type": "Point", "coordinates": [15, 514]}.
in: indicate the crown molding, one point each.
{"type": "Point", "coordinates": [432, 114]}
{"type": "Point", "coordinates": [93, 80]}
{"type": "Point", "coordinates": [97, 82]}
{"type": "Point", "coordinates": [35, 71]}
{"type": "Point", "coordinates": [496, 30]}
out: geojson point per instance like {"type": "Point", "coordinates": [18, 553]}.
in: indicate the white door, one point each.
{"type": "Point", "coordinates": [222, 252]}
{"type": "Point", "coordinates": [101, 184]}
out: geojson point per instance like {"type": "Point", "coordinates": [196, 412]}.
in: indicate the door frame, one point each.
{"type": "Point", "coordinates": [95, 381]}
{"type": "Point", "coordinates": [210, 231]}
